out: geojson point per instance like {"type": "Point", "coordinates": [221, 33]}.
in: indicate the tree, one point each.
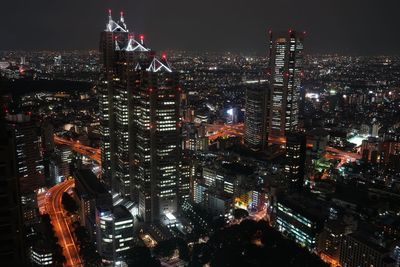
{"type": "Point", "coordinates": [141, 256]}
{"type": "Point", "coordinates": [165, 248]}
{"type": "Point", "coordinates": [235, 246]}
{"type": "Point", "coordinates": [240, 214]}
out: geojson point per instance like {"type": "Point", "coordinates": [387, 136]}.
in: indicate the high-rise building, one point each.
{"type": "Point", "coordinates": [187, 171]}
{"type": "Point", "coordinates": [115, 233]}
{"type": "Point", "coordinates": [285, 70]}
{"type": "Point", "coordinates": [140, 122]}
{"type": "Point", "coordinates": [28, 157]}
{"type": "Point", "coordinates": [11, 227]}
{"type": "Point", "coordinates": [112, 39]}
{"type": "Point", "coordinates": [64, 156]}
{"type": "Point", "coordinates": [357, 249]}
{"type": "Point", "coordinates": [91, 193]}
{"type": "Point", "coordinates": [296, 145]}
{"type": "Point", "coordinates": [156, 139]}
{"type": "Point", "coordinates": [255, 136]}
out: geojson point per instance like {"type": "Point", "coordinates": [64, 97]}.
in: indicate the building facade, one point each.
{"type": "Point", "coordinates": [295, 159]}
{"type": "Point", "coordinates": [255, 135]}
{"type": "Point", "coordinates": [28, 157]}
{"type": "Point", "coordinates": [115, 234]}
{"type": "Point", "coordinates": [356, 250]}
{"type": "Point", "coordinates": [285, 70]}
{"type": "Point", "coordinates": [299, 221]}
{"type": "Point", "coordinates": [140, 123]}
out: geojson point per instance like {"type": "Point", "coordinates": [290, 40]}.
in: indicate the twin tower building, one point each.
{"type": "Point", "coordinates": [272, 108]}
{"type": "Point", "coordinates": [140, 120]}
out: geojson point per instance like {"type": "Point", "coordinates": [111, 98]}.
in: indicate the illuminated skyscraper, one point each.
{"type": "Point", "coordinates": [156, 139]}
{"type": "Point", "coordinates": [141, 125]}
{"type": "Point", "coordinates": [112, 38]}
{"type": "Point", "coordinates": [285, 70]}
{"type": "Point", "coordinates": [255, 136]}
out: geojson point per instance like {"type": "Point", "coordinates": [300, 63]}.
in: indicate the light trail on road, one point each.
{"type": "Point", "coordinates": [61, 224]}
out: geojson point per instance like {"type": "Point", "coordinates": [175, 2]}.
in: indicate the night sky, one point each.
{"type": "Point", "coordinates": [333, 26]}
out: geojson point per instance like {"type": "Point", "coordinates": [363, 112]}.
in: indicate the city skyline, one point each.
{"type": "Point", "coordinates": [340, 27]}
{"type": "Point", "coordinates": [136, 154]}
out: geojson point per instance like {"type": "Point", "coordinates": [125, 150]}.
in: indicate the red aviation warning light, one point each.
{"type": "Point", "coordinates": [141, 38]}
{"type": "Point", "coordinates": [164, 56]}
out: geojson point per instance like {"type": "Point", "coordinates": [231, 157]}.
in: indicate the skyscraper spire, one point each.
{"type": "Point", "coordinates": [113, 26]}
{"type": "Point", "coordinates": [122, 17]}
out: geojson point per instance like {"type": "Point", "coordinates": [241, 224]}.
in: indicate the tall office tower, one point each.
{"type": "Point", "coordinates": [156, 139]}
{"type": "Point", "coordinates": [28, 155]}
{"type": "Point", "coordinates": [126, 61]}
{"type": "Point", "coordinates": [11, 222]}
{"type": "Point", "coordinates": [140, 121]}
{"type": "Point", "coordinates": [285, 70]}
{"type": "Point", "coordinates": [112, 39]}
{"type": "Point", "coordinates": [255, 136]}
{"type": "Point", "coordinates": [295, 159]}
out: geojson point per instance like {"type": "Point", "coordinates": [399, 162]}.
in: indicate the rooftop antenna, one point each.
{"type": "Point", "coordinates": [109, 15]}
{"type": "Point", "coordinates": [122, 17]}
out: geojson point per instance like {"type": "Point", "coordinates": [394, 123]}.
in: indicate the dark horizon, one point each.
{"type": "Point", "coordinates": [339, 27]}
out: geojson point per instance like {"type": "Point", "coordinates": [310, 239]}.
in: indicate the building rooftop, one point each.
{"type": "Point", "coordinates": [88, 183]}
{"type": "Point", "coordinates": [120, 212]}
{"type": "Point", "coordinates": [309, 207]}
{"type": "Point", "coordinates": [364, 239]}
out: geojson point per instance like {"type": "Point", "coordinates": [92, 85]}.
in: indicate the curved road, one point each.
{"type": "Point", "coordinates": [61, 224]}
{"type": "Point", "coordinates": [90, 152]}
